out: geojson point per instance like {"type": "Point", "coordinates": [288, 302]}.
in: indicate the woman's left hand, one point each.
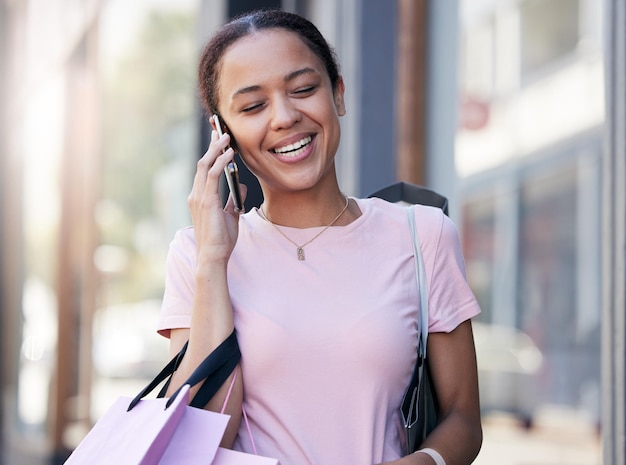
{"type": "Point", "coordinates": [458, 436]}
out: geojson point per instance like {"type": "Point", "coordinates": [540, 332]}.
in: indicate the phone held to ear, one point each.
{"type": "Point", "coordinates": [231, 172]}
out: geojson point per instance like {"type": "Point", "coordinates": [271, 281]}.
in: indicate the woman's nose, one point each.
{"type": "Point", "coordinates": [284, 114]}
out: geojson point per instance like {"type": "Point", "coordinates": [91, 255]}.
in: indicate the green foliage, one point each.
{"type": "Point", "coordinates": [148, 94]}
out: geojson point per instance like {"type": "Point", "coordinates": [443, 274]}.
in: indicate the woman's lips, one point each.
{"type": "Point", "coordinates": [294, 150]}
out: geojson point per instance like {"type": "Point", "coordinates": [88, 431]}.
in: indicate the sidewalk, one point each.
{"type": "Point", "coordinates": [557, 439]}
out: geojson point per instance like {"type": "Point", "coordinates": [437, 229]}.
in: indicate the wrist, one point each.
{"type": "Point", "coordinates": [433, 454]}
{"type": "Point", "coordinates": [213, 254]}
{"type": "Point", "coordinates": [208, 268]}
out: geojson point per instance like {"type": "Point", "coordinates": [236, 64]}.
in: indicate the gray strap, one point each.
{"type": "Point", "coordinates": [422, 280]}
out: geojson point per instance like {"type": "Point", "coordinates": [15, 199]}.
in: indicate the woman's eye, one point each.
{"type": "Point", "coordinates": [252, 107]}
{"type": "Point", "coordinates": [304, 90]}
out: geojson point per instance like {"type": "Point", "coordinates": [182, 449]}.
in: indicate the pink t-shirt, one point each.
{"type": "Point", "coordinates": [329, 344]}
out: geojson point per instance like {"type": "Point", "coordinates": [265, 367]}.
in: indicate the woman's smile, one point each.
{"type": "Point", "coordinates": [293, 150]}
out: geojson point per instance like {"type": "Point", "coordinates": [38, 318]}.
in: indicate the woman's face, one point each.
{"type": "Point", "coordinates": [277, 100]}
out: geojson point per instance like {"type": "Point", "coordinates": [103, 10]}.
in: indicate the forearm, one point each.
{"type": "Point", "coordinates": [454, 444]}
{"type": "Point", "coordinates": [457, 439]}
{"type": "Point", "coordinates": [211, 320]}
{"type": "Point", "coordinates": [458, 436]}
{"type": "Point", "coordinates": [211, 324]}
{"type": "Point", "coordinates": [212, 313]}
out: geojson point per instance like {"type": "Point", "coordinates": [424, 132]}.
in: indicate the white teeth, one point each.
{"type": "Point", "coordinates": [295, 146]}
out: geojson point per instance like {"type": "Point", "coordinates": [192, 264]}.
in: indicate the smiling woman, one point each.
{"type": "Point", "coordinates": [271, 103]}
{"type": "Point", "coordinates": [320, 332]}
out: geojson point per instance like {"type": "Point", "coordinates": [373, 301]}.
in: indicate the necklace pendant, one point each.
{"type": "Point", "coordinates": [300, 248]}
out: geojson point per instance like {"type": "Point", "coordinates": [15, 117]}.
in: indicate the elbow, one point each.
{"type": "Point", "coordinates": [474, 439]}
{"type": "Point", "coordinates": [477, 439]}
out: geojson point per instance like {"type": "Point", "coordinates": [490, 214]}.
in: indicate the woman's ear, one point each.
{"type": "Point", "coordinates": [226, 129]}
{"type": "Point", "coordinates": [338, 98]}
{"type": "Point", "coordinates": [233, 141]}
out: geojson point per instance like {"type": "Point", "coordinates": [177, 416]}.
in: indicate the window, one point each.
{"type": "Point", "coordinates": [550, 31]}
{"type": "Point", "coordinates": [550, 281]}
{"type": "Point", "coordinates": [478, 60]}
{"type": "Point", "coordinates": [547, 257]}
{"type": "Point", "coordinates": [478, 249]}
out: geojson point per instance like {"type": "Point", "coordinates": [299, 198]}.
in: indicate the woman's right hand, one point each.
{"type": "Point", "coordinates": [215, 228]}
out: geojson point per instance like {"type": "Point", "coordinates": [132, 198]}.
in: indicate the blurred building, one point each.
{"type": "Point", "coordinates": [529, 154]}
{"type": "Point", "coordinates": [50, 165]}
{"type": "Point", "coordinates": [614, 240]}
{"type": "Point", "coordinates": [99, 132]}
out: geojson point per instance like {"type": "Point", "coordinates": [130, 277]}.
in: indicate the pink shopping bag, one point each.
{"type": "Point", "coordinates": [196, 442]}
{"type": "Point", "coordinates": [168, 431]}
{"type": "Point", "coordinates": [151, 434]}
{"type": "Point", "coordinates": [142, 435]}
{"type": "Point", "coordinates": [231, 457]}
{"type": "Point", "coordinates": [136, 437]}
{"type": "Point", "coordinates": [196, 438]}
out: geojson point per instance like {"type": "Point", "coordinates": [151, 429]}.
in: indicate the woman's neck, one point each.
{"type": "Point", "coordinates": [305, 209]}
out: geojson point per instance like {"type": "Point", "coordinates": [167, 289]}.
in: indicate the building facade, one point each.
{"type": "Point", "coordinates": [499, 105]}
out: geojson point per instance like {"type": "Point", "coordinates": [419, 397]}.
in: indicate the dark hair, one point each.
{"type": "Point", "coordinates": [246, 24]}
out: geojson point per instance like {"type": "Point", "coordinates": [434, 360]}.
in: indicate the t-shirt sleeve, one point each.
{"type": "Point", "coordinates": [451, 300]}
{"type": "Point", "coordinates": [179, 283]}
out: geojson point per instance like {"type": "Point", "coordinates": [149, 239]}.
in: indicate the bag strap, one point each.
{"type": "Point", "coordinates": [243, 411]}
{"type": "Point", "coordinates": [214, 370]}
{"type": "Point", "coordinates": [215, 373]}
{"type": "Point", "coordinates": [422, 285]}
{"type": "Point", "coordinates": [166, 372]}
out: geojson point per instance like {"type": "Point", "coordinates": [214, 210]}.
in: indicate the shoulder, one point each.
{"type": "Point", "coordinates": [439, 237]}
{"type": "Point", "coordinates": [432, 224]}
{"type": "Point", "coordinates": [433, 221]}
{"type": "Point", "coordinates": [424, 213]}
{"type": "Point", "coordinates": [430, 221]}
{"type": "Point", "coordinates": [382, 210]}
{"type": "Point", "coordinates": [184, 237]}
{"type": "Point", "coordinates": [183, 244]}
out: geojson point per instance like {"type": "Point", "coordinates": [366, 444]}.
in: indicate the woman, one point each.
{"type": "Point", "coordinates": [319, 286]}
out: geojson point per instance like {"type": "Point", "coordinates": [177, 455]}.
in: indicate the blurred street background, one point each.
{"type": "Point", "coordinates": [506, 107]}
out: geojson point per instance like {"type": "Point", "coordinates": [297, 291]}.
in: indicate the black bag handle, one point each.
{"type": "Point", "coordinates": [214, 370]}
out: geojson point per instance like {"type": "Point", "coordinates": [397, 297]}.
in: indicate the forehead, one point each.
{"type": "Point", "coordinates": [264, 55]}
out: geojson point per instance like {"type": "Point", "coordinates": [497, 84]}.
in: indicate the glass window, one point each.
{"type": "Point", "coordinates": [550, 30]}
{"type": "Point", "coordinates": [548, 278]}
{"type": "Point", "coordinates": [478, 60]}
{"type": "Point", "coordinates": [478, 248]}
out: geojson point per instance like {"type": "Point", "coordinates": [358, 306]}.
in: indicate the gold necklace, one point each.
{"type": "Point", "coordinates": [300, 248]}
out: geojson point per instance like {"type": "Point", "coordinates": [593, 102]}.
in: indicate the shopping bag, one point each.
{"type": "Point", "coordinates": [232, 457]}
{"type": "Point", "coordinates": [138, 431]}
{"type": "Point", "coordinates": [141, 436]}
{"type": "Point", "coordinates": [196, 438]}
{"type": "Point", "coordinates": [170, 431]}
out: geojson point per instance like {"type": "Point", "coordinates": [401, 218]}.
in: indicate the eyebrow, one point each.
{"type": "Point", "coordinates": [300, 72]}
{"type": "Point", "coordinates": [291, 76]}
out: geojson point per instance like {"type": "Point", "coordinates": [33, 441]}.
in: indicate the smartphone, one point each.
{"type": "Point", "coordinates": [231, 171]}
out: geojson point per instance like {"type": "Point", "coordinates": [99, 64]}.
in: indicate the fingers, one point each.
{"type": "Point", "coordinates": [217, 147]}
{"type": "Point", "coordinates": [230, 204]}
{"type": "Point", "coordinates": [214, 160]}
{"type": "Point", "coordinates": [209, 169]}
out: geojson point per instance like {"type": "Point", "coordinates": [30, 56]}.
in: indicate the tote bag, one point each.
{"type": "Point", "coordinates": [168, 431]}
{"type": "Point", "coordinates": [151, 433]}
{"type": "Point", "coordinates": [419, 409]}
